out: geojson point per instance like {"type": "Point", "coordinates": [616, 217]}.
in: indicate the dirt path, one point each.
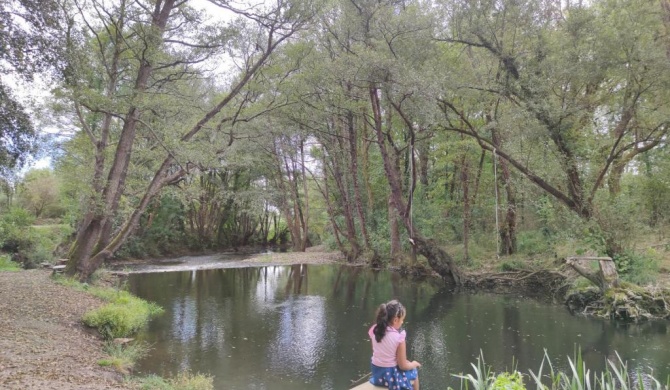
{"type": "Point", "coordinates": [43, 344]}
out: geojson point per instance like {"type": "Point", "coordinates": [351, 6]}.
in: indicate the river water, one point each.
{"type": "Point", "coordinates": [305, 327]}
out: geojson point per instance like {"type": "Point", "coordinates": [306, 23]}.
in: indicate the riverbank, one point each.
{"type": "Point", "coordinates": [43, 343]}
{"type": "Point", "coordinates": [313, 255]}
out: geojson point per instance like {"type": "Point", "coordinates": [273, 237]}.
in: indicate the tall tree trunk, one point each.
{"type": "Point", "coordinates": [305, 193]}
{"type": "Point", "coordinates": [353, 152]}
{"type": "Point", "coordinates": [508, 231]}
{"type": "Point", "coordinates": [95, 232]}
{"type": "Point", "coordinates": [465, 182]}
{"type": "Point", "coordinates": [394, 232]}
{"type": "Point", "coordinates": [160, 180]}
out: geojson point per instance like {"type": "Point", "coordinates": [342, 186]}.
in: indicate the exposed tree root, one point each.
{"type": "Point", "coordinates": [626, 302]}
{"type": "Point", "coordinates": [542, 283]}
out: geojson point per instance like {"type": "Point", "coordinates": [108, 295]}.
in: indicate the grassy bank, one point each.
{"type": "Point", "coordinates": [121, 317]}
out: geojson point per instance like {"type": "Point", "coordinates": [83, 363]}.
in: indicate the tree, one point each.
{"type": "Point", "coordinates": [146, 54]}
{"type": "Point", "coordinates": [39, 191]}
{"type": "Point", "coordinates": [29, 42]}
{"type": "Point", "coordinates": [589, 85]}
{"type": "Point", "coordinates": [17, 134]}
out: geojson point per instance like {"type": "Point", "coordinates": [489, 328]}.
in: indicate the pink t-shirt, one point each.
{"type": "Point", "coordinates": [384, 352]}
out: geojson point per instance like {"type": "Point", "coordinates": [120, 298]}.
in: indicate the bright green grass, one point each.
{"type": "Point", "coordinates": [183, 381]}
{"type": "Point", "coordinates": [6, 264]}
{"type": "Point", "coordinates": [122, 316]}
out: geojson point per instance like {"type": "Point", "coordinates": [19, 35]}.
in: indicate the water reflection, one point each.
{"type": "Point", "coordinates": [304, 327]}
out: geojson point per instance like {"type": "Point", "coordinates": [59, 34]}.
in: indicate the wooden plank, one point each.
{"type": "Point", "coordinates": [367, 386]}
{"type": "Point", "coordinates": [589, 258]}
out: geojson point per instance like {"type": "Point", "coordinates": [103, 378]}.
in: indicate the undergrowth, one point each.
{"type": "Point", "coordinates": [6, 264]}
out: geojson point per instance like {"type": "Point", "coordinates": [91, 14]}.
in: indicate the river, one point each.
{"type": "Point", "coordinates": [305, 327]}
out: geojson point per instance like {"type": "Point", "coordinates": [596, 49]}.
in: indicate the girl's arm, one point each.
{"type": "Point", "coordinates": [401, 356]}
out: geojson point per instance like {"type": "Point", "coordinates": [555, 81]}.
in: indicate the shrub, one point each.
{"type": "Point", "coordinates": [14, 228]}
{"type": "Point", "coordinates": [29, 244]}
{"type": "Point", "coordinates": [635, 267]}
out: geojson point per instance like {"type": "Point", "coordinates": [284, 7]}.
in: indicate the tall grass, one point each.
{"type": "Point", "coordinates": [615, 377]}
{"type": "Point", "coordinates": [123, 357]}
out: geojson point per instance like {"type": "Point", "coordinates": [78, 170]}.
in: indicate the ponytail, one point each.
{"type": "Point", "coordinates": [385, 314]}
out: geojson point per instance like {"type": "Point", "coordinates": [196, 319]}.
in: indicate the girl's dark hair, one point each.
{"type": "Point", "coordinates": [385, 314]}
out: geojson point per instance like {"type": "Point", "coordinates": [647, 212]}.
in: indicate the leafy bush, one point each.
{"type": "Point", "coordinates": [636, 268]}
{"type": "Point", "coordinates": [29, 244]}
{"type": "Point", "coordinates": [14, 228]}
{"type": "Point", "coordinates": [182, 381]}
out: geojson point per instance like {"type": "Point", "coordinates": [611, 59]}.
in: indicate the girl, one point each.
{"type": "Point", "coordinates": [390, 367]}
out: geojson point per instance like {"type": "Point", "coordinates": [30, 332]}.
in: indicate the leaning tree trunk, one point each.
{"type": "Point", "coordinates": [438, 259]}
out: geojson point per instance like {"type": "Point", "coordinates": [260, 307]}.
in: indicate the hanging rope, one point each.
{"type": "Point", "coordinates": [411, 190]}
{"type": "Point", "coordinates": [495, 180]}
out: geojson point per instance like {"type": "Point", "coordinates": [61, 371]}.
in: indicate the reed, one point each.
{"type": "Point", "coordinates": [578, 377]}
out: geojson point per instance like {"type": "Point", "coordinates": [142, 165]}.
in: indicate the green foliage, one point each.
{"type": "Point", "coordinates": [638, 268]}
{"type": "Point", "coordinates": [39, 192]}
{"type": "Point", "coordinates": [6, 264]}
{"type": "Point", "coordinates": [19, 137]}
{"type": "Point", "coordinates": [161, 230]}
{"type": "Point", "coordinates": [508, 381]}
{"type": "Point", "coordinates": [533, 242]}
{"type": "Point", "coordinates": [123, 357]}
{"type": "Point", "coordinates": [16, 235]}
{"type": "Point", "coordinates": [30, 244]}
{"type": "Point", "coordinates": [182, 381]}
